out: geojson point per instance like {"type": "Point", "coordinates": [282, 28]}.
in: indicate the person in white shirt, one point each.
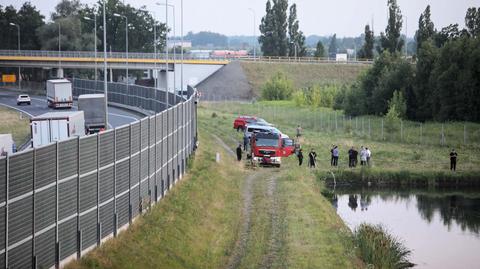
{"type": "Point", "coordinates": [369, 155]}
{"type": "Point", "coordinates": [363, 156]}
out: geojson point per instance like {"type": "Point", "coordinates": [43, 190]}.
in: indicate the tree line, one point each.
{"type": "Point", "coordinates": [443, 83]}
{"type": "Point", "coordinates": [280, 32]}
{"type": "Point", "coordinates": [68, 24]}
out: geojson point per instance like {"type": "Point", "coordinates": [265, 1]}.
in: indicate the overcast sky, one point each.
{"type": "Point", "coordinates": [344, 17]}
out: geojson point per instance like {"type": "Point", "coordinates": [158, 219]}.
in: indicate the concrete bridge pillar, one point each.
{"type": "Point", "coordinates": [60, 73]}
{"type": "Point", "coordinates": [161, 78]}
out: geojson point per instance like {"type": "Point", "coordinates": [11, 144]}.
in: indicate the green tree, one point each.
{"type": "Point", "coordinates": [67, 8]}
{"type": "Point", "coordinates": [280, 14]}
{"type": "Point", "coordinates": [472, 21]}
{"type": "Point", "coordinates": [390, 40]}
{"type": "Point", "coordinates": [279, 87]}
{"type": "Point", "coordinates": [427, 55]}
{"type": "Point", "coordinates": [426, 29]}
{"type": "Point", "coordinates": [447, 33]}
{"type": "Point", "coordinates": [332, 47]}
{"type": "Point", "coordinates": [268, 34]}
{"type": "Point", "coordinates": [296, 37]}
{"type": "Point", "coordinates": [366, 52]}
{"type": "Point", "coordinates": [400, 104]}
{"type": "Point", "coordinates": [320, 51]}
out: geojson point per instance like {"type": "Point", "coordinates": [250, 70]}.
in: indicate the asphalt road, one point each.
{"type": "Point", "coordinates": [116, 116]}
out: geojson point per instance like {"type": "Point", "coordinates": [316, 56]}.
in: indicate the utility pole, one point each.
{"type": "Point", "coordinates": [105, 84]}
{"type": "Point", "coordinates": [254, 34]}
{"type": "Point", "coordinates": [19, 70]}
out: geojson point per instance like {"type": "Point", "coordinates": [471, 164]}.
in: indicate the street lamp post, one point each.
{"type": "Point", "coordinates": [174, 52]}
{"type": "Point", "coordinates": [95, 41]}
{"type": "Point", "coordinates": [59, 49]}
{"type": "Point", "coordinates": [166, 52]}
{"type": "Point", "coordinates": [18, 36]}
{"type": "Point", "coordinates": [105, 84]}
{"type": "Point", "coordinates": [254, 34]}
{"type": "Point", "coordinates": [126, 41]}
{"type": "Point", "coordinates": [295, 48]}
{"type": "Point", "coordinates": [181, 33]}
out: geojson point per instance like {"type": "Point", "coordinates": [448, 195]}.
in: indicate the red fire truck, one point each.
{"type": "Point", "coordinates": [266, 149]}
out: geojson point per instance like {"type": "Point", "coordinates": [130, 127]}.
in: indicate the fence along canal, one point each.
{"type": "Point", "coordinates": [59, 201]}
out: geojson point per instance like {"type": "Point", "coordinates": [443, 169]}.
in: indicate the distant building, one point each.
{"type": "Point", "coordinates": [230, 53]}
{"type": "Point", "coordinates": [178, 43]}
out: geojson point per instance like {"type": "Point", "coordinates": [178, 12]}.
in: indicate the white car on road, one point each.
{"type": "Point", "coordinates": [23, 99]}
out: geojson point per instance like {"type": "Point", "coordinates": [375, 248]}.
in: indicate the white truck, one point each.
{"type": "Point", "coordinates": [59, 93]}
{"type": "Point", "coordinates": [55, 126]}
{"type": "Point", "coordinates": [6, 144]}
{"type": "Point", "coordinates": [93, 107]}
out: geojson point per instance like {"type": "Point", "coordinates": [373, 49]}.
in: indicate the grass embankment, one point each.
{"type": "Point", "coordinates": [201, 223]}
{"type": "Point", "coordinates": [394, 161]}
{"type": "Point", "coordinates": [15, 123]}
{"type": "Point", "coordinates": [311, 233]}
{"type": "Point", "coordinates": [302, 74]}
{"type": "Point", "coordinates": [195, 226]}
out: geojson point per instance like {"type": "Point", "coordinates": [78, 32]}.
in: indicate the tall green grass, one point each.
{"type": "Point", "coordinates": [379, 248]}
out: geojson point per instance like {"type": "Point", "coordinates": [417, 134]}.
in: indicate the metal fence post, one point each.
{"type": "Point", "coordinates": [115, 220]}
{"type": "Point", "coordinates": [56, 207]}
{"type": "Point", "coordinates": [401, 130]}
{"type": "Point", "coordinates": [383, 137]}
{"type": "Point", "coordinates": [99, 225]}
{"type": "Point", "coordinates": [33, 208]}
{"type": "Point", "coordinates": [7, 197]}
{"type": "Point", "coordinates": [79, 232]}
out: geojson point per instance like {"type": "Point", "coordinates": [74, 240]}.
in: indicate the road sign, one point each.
{"type": "Point", "coordinates": [9, 78]}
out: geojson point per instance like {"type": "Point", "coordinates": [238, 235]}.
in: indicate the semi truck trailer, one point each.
{"type": "Point", "coordinates": [56, 126]}
{"type": "Point", "coordinates": [59, 93]}
{"type": "Point", "coordinates": [93, 107]}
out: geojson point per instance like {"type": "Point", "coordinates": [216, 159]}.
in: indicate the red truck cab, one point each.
{"type": "Point", "coordinates": [266, 149]}
{"type": "Point", "coordinates": [288, 147]}
{"type": "Point", "coordinates": [241, 122]}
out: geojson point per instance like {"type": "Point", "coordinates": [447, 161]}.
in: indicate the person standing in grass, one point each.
{"type": "Point", "coordinates": [363, 156]}
{"type": "Point", "coordinates": [300, 157]}
{"type": "Point", "coordinates": [245, 141]}
{"type": "Point", "coordinates": [312, 159]}
{"type": "Point", "coordinates": [239, 152]}
{"type": "Point", "coordinates": [369, 155]}
{"type": "Point", "coordinates": [331, 155]}
{"type": "Point", "coordinates": [355, 157]}
{"type": "Point", "coordinates": [453, 160]}
{"type": "Point", "coordinates": [299, 131]}
{"type": "Point", "coordinates": [335, 154]}
{"type": "Point", "coordinates": [350, 157]}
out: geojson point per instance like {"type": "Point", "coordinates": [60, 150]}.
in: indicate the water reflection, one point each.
{"type": "Point", "coordinates": [441, 227]}
{"type": "Point", "coordinates": [459, 207]}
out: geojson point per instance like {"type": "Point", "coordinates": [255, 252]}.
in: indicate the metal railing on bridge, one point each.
{"type": "Point", "coordinates": [59, 201]}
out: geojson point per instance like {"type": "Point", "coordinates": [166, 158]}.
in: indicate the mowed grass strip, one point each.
{"type": "Point", "coordinates": [195, 226]}
{"type": "Point", "coordinates": [317, 237]}
{"type": "Point", "coordinates": [13, 123]}
{"type": "Point", "coordinates": [302, 74]}
{"type": "Point", "coordinates": [312, 234]}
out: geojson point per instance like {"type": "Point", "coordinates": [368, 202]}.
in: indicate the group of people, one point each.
{"type": "Point", "coordinates": [365, 157]}
{"type": "Point", "coordinates": [312, 158]}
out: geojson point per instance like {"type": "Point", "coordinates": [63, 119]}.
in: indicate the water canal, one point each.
{"type": "Point", "coordinates": [441, 227]}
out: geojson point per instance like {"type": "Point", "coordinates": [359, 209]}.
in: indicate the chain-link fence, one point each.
{"type": "Point", "coordinates": [59, 201]}
{"type": "Point", "coordinates": [376, 128]}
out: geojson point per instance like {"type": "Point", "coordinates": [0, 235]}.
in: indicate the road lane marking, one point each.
{"type": "Point", "coordinates": [122, 116]}
{"type": "Point", "coordinates": [18, 109]}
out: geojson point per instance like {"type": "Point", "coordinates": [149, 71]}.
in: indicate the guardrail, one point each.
{"type": "Point", "coordinates": [59, 201]}
{"type": "Point", "coordinates": [187, 56]}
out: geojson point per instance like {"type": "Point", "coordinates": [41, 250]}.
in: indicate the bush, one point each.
{"type": "Point", "coordinates": [392, 119]}
{"type": "Point", "coordinates": [378, 248]}
{"type": "Point", "coordinates": [279, 87]}
{"type": "Point", "coordinates": [299, 98]}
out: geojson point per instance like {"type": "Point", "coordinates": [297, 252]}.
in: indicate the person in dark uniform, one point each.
{"type": "Point", "coordinates": [245, 142]}
{"type": "Point", "coordinates": [239, 152]}
{"type": "Point", "coordinates": [300, 157]}
{"type": "Point", "coordinates": [312, 156]}
{"type": "Point", "coordinates": [453, 160]}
